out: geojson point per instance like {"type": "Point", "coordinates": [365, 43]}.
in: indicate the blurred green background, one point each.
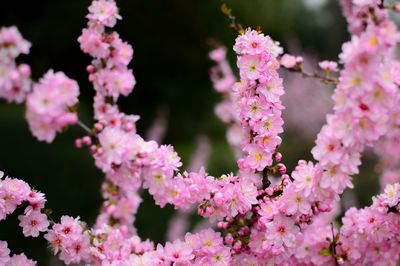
{"type": "Point", "coordinates": [171, 43]}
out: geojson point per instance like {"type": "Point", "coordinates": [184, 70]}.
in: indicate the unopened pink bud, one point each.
{"type": "Point", "coordinates": [229, 239]}
{"type": "Point", "coordinates": [237, 245]}
{"type": "Point", "coordinates": [219, 199]}
{"type": "Point", "coordinates": [285, 177]}
{"type": "Point", "coordinates": [86, 140]}
{"type": "Point", "coordinates": [78, 143]}
{"type": "Point", "coordinates": [269, 191]}
{"type": "Point", "coordinates": [99, 151]}
{"type": "Point", "coordinates": [285, 182]}
{"type": "Point", "coordinates": [24, 70]}
{"type": "Point", "coordinates": [99, 126]}
{"type": "Point", "coordinates": [129, 126]}
{"type": "Point", "coordinates": [93, 149]}
{"type": "Point", "coordinates": [278, 157]}
{"type": "Point", "coordinates": [89, 69]}
{"type": "Point", "coordinates": [282, 168]}
{"type": "Point", "coordinates": [246, 230]}
{"type": "Point", "coordinates": [209, 210]}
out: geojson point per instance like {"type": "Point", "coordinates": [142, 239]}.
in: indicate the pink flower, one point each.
{"type": "Point", "coordinates": [147, 259]}
{"type": "Point", "coordinates": [364, 2]}
{"type": "Point", "coordinates": [282, 232]}
{"type": "Point", "coordinates": [328, 149]}
{"type": "Point", "coordinates": [272, 89]}
{"type": "Point", "coordinates": [103, 12]}
{"type": "Point", "coordinates": [12, 43]}
{"type": "Point", "coordinates": [177, 252]}
{"type": "Point", "coordinates": [269, 124]}
{"type": "Point", "coordinates": [12, 193]}
{"type": "Point", "coordinates": [251, 66]}
{"type": "Point", "coordinates": [288, 61]}
{"type": "Point", "coordinates": [48, 105]}
{"type": "Point", "coordinates": [218, 54]}
{"type": "Point", "coordinates": [4, 253]}
{"type": "Point", "coordinates": [206, 241]}
{"type": "Point", "coordinates": [392, 195]}
{"type": "Point", "coordinates": [33, 223]}
{"type": "Point", "coordinates": [258, 158]}
{"type": "Point", "coordinates": [329, 66]}
{"type": "Point", "coordinates": [92, 43]}
{"type": "Point", "coordinates": [116, 82]}
{"type": "Point", "coordinates": [122, 53]}
{"type": "Point", "coordinates": [304, 177]}
{"type": "Point", "coordinates": [252, 43]}
{"type": "Point", "coordinates": [112, 140]}
{"type": "Point", "coordinates": [20, 260]}
{"type": "Point", "coordinates": [15, 82]}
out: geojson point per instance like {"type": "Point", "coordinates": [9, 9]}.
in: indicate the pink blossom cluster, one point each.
{"type": "Point", "coordinates": [13, 193]}
{"type": "Point", "coordinates": [50, 102]}
{"type": "Point", "coordinates": [50, 105]}
{"type": "Point", "coordinates": [15, 80]}
{"type": "Point", "coordinates": [179, 223]}
{"type": "Point", "coordinates": [370, 236]}
{"type": "Point", "coordinates": [6, 260]}
{"type": "Point", "coordinates": [284, 223]}
{"type": "Point", "coordinates": [257, 99]}
{"type": "Point", "coordinates": [364, 98]}
{"type": "Point", "coordinates": [108, 72]}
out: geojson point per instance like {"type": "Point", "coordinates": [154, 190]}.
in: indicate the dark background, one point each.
{"type": "Point", "coordinates": [171, 42]}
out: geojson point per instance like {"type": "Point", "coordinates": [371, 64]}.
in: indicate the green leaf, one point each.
{"type": "Point", "coordinates": [324, 252]}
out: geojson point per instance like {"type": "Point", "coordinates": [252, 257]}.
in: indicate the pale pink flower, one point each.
{"type": "Point", "coordinates": [257, 159]}
{"type": "Point", "coordinates": [12, 43]}
{"type": "Point", "coordinates": [294, 202]}
{"type": "Point", "coordinates": [329, 66]}
{"type": "Point", "coordinates": [304, 177]}
{"type": "Point", "coordinates": [288, 61]}
{"type": "Point", "coordinates": [48, 105]}
{"type": "Point", "coordinates": [178, 251]}
{"type": "Point", "coordinates": [103, 12]}
{"type": "Point", "coordinates": [251, 66]}
{"type": "Point", "coordinates": [282, 232]}
{"type": "Point", "coordinates": [20, 260]}
{"type": "Point", "coordinates": [33, 223]}
{"type": "Point", "coordinates": [392, 194]}
{"type": "Point", "coordinates": [251, 42]}
{"type": "Point", "coordinates": [4, 253]}
{"type": "Point", "coordinates": [147, 259]}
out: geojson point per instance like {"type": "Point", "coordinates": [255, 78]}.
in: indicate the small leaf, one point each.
{"type": "Point", "coordinates": [324, 252]}
{"type": "Point", "coordinates": [225, 9]}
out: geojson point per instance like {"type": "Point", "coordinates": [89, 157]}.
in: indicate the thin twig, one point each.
{"type": "Point", "coordinates": [316, 75]}
{"type": "Point", "coordinates": [233, 23]}
{"type": "Point", "coordinates": [84, 127]}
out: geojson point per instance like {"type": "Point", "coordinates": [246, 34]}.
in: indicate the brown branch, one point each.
{"type": "Point", "coordinates": [324, 79]}
{"type": "Point", "coordinates": [233, 22]}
